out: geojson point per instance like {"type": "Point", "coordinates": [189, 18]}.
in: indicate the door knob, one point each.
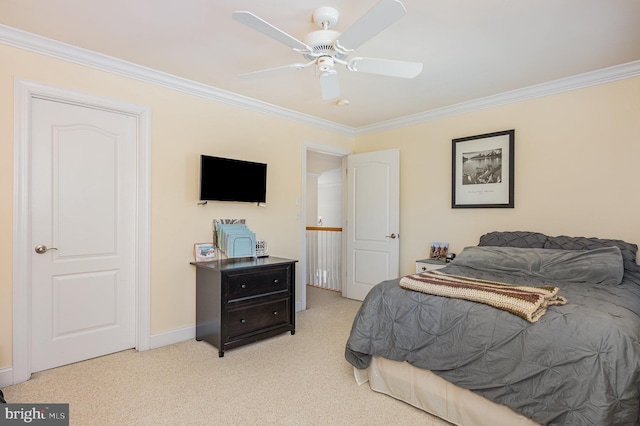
{"type": "Point", "coordinates": [392, 236]}
{"type": "Point", "coordinates": [41, 249]}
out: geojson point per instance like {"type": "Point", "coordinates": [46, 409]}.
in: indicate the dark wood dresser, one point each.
{"type": "Point", "coordinates": [243, 300]}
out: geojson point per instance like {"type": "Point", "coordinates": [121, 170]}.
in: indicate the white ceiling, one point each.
{"type": "Point", "coordinates": [470, 49]}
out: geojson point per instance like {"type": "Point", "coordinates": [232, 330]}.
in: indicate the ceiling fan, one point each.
{"type": "Point", "coordinates": [325, 47]}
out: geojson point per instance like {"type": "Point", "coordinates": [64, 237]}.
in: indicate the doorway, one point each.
{"type": "Point", "coordinates": [371, 206]}
{"type": "Point", "coordinates": [324, 221]}
{"type": "Point", "coordinates": [323, 183]}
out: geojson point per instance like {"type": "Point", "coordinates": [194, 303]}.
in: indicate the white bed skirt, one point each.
{"type": "Point", "coordinates": [431, 393]}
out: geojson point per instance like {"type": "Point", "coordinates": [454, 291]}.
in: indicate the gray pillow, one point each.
{"type": "Point", "coordinates": [627, 250]}
{"type": "Point", "coordinates": [597, 266]}
{"type": "Point", "coordinates": [513, 239]}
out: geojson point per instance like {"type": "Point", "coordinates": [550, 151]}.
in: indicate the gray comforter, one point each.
{"type": "Point", "coordinates": [578, 365]}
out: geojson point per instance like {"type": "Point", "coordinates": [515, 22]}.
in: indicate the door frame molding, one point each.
{"type": "Point", "coordinates": [24, 92]}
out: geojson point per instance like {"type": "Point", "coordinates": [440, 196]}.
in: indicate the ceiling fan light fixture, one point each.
{"type": "Point", "coordinates": [327, 73]}
{"type": "Point", "coordinates": [325, 64]}
{"type": "Point", "coordinates": [329, 84]}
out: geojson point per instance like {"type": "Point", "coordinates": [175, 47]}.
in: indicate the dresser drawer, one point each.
{"type": "Point", "coordinates": [429, 265]}
{"type": "Point", "coordinates": [259, 282]}
{"type": "Point", "coordinates": [258, 317]}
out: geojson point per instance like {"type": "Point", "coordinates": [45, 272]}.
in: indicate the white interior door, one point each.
{"type": "Point", "coordinates": [373, 220]}
{"type": "Point", "coordinates": [83, 233]}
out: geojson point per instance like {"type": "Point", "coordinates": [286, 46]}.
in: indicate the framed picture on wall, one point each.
{"type": "Point", "coordinates": [482, 171]}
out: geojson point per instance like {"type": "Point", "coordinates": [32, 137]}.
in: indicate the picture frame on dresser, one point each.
{"type": "Point", "coordinates": [204, 252]}
{"type": "Point", "coordinates": [483, 171]}
{"type": "Point", "coordinates": [438, 250]}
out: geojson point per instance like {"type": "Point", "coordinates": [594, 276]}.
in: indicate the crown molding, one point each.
{"type": "Point", "coordinates": [579, 81]}
{"type": "Point", "coordinates": [59, 50]}
{"type": "Point", "coordinates": [46, 46]}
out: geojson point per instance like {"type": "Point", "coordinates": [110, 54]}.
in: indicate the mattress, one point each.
{"type": "Point", "coordinates": [429, 392]}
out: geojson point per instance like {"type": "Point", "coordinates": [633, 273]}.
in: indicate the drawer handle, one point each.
{"type": "Point", "coordinates": [243, 286]}
{"type": "Point", "coordinates": [275, 281]}
{"type": "Point", "coordinates": [242, 321]}
{"type": "Point", "coordinates": [275, 312]}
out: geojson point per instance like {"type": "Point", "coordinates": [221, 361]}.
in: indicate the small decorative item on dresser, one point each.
{"type": "Point", "coordinates": [438, 250]}
{"type": "Point", "coordinates": [262, 249]}
{"type": "Point", "coordinates": [204, 252]}
{"type": "Point", "coordinates": [450, 257]}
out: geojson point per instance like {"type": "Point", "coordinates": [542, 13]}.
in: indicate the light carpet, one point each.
{"type": "Point", "coordinates": [286, 380]}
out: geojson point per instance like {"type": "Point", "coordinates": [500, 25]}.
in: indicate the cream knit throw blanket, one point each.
{"type": "Point", "coordinates": [529, 303]}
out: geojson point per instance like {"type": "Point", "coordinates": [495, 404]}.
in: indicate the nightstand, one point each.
{"type": "Point", "coordinates": [429, 265]}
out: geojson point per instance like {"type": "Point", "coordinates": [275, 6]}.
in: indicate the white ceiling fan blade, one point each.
{"type": "Point", "coordinates": [329, 84]}
{"type": "Point", "coordinates": [290, 67]}
{"type": "Point", "coordinates": [385, 67]}
{"type": "Point", "coordinates": [260, 25]}
{"type": "Point", "coordinates": [382, 15]}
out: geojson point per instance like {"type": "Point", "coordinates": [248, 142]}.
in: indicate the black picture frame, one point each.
{"type": "Point", "coordinates": [483, 171]}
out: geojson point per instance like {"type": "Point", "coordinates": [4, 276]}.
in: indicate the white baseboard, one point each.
{"type": "Point", "coordinates": [6, 377]}
{"type": "Point", "coordinates": [170, 337]}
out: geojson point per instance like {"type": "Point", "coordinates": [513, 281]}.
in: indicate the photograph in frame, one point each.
{"type": "Point", "coordinates": [204, 252]}
{"type": "Point", "coordinates": [438, 250]}
{"type": "Point", "coordinates": [482, 171]}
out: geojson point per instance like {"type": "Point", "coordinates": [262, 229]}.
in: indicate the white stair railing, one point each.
{"type": "Point", "coordinates": [324, 257]}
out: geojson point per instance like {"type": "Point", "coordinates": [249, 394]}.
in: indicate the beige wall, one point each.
{"type": "Point", "coordinates": [577, 158]}
{"type": "Point", "coordinates": [576, 173]}
{"type": "Point", "coordinates": [183, 127]}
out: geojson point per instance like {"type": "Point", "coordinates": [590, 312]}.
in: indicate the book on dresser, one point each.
{"type": "Point", "coordinates": [244, 300]}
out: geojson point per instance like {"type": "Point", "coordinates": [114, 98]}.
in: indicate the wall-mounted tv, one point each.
{"type": "Point", "coordinates": [225, 179]}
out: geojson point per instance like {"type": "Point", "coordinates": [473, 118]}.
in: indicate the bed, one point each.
{"type": "Point", "coordinates": [575, 361]}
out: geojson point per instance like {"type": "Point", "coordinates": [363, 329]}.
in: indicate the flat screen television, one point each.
{"type": "Point", "coordinates": [225, 179]}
